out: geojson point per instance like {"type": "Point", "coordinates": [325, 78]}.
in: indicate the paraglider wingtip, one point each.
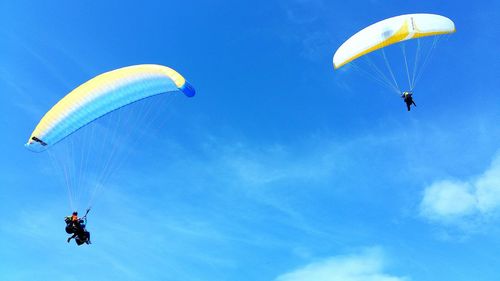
{"type": "Point", "coordinates": [188, 89]}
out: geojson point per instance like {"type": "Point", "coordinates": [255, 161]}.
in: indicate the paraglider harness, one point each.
{"type": "Point", "coordinates": [77, 228]}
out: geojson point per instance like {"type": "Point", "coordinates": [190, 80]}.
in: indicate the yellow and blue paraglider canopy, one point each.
{"type": "Point", "coordinates": [101, 95]}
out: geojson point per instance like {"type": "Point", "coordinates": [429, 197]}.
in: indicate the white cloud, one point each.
{"type": "Point", "coordinates": [450, 201]}
{"type": "Point", "coordinates": [488, 188]}
{"type": "Point", "coordinates": [366, 266]}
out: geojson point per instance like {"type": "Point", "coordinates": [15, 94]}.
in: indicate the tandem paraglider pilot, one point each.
{"type": "Point", "coordinates": [76, 226]}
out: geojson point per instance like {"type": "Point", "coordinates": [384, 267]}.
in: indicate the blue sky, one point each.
{"type": "Point", "coordinates": [280, 168]}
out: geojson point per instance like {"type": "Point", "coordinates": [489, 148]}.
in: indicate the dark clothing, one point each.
{"type": "Point", "coordinates": [82, 236]}
{"type": "Point", "coordinates": [409, 103]}
{"type": "Point", "coordinates": [407, 96]}
{"type": "Point", "coordinates": [76, 226]}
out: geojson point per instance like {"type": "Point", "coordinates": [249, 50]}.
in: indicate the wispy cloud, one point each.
{"type": "Point", "coordinates": [305, 27]}
{"type": "Point", "coordinates": [303, 11]}
{"type": "Point", "coordinates": [368, 265]}
{"type": "Point", "coordinates": [273, 163]}
{"type": "Point", "coordinates": [457, 201]}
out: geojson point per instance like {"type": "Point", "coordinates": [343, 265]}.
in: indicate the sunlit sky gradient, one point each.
{"type": "Point", "coordinates": [280, 168]}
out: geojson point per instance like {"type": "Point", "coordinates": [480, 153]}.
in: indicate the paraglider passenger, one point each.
{"type": "Point", "coordinates": [407, 96]}
{"type": "Point", "coordinates": [72, 222]}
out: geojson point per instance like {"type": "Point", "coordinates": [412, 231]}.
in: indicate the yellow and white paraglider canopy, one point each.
{"type": "Point", "coordinates": [391, 31]}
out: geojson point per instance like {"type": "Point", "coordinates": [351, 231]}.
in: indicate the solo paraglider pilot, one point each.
{"type": "Point", "coordinates": [407, 96]}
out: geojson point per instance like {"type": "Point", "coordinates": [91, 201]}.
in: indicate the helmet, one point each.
{"type": "Point", "coordinates": [75, 213]}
